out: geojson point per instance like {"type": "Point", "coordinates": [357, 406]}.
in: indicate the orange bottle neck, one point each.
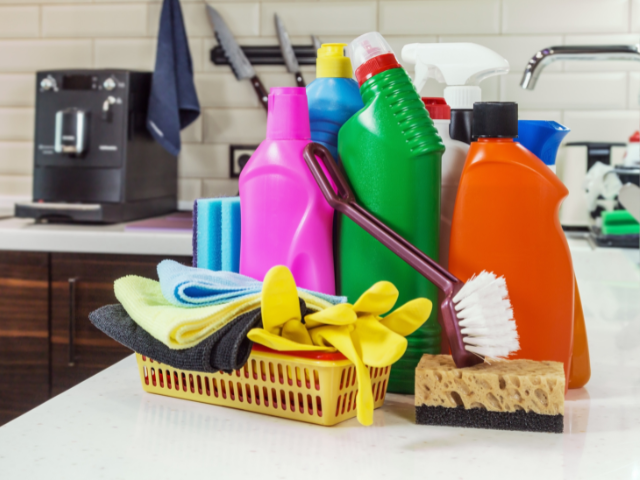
{"type": "Point", "coordinates": [495, 140]}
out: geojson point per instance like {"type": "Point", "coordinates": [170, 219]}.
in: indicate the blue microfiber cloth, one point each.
{"type": "Point", "coordinates": [173, 102]}
{"type": "Point", "coordinates": [197, 287]}
{"type": "Point", "coordinates": [216, 234]}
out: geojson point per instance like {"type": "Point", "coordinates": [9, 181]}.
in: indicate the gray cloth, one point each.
{"type": "Point", "coordinates": [224, 350]}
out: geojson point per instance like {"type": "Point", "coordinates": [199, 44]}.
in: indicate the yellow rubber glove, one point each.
{"type": "Point", "coordinates": [279, 299]}
{"type": "Point", "coordinates": [378, 299]}
{"type": "Point", "coordinates": [341, 314]}
{"type": "Point", "coordinates": [296, 331]}
{"type": "Point", "coordinates": [341, 338]}
{"type": "Point", "coordinates": [280, 344]}
{"type": "Point", "coordinates": [357, 331]}
{"type": "Point", "coordinates": [281, 318]}
{"type": "Point", "coordinates": [406, 319]}
{"type": "Point", "coordinates": [380, 346]}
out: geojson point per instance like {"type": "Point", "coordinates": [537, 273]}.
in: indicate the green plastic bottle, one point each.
{"type": "Point", "coordinates": [391, 152]}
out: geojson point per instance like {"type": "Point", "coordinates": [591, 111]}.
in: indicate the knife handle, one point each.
{"type": "Point", "coordinates": [260, 91]}
{"type": "Point", "coordinates": [299, 79]}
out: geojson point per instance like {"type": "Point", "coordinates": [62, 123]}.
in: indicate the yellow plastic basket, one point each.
{"type": "Point", "coordinates": [318, 390]}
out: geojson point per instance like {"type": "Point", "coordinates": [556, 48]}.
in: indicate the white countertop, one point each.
{"type": "Point", "coordinates": [107, 427]}
{"type": "Point", "coordinates": [25, 235]}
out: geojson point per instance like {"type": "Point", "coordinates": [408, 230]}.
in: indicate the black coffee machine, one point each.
{"type": "Point", "coordinates": [94, 160]}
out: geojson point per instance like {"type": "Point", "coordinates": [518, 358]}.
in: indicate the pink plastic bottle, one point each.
{"type": "Point", "coordinates": [285, 218]}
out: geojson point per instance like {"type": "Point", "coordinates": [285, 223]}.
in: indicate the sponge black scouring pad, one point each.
{"type": "Point", "coordinates": [504, 395]}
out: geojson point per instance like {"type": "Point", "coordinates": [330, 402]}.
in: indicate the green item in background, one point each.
{"type": "Point", "coordinates": [619, 222]}
{"type": "Point", "coordinates": [392, 153]}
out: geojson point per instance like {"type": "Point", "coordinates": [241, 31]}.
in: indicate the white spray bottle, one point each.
{"type": "Point", "coordinates": [461, 66]}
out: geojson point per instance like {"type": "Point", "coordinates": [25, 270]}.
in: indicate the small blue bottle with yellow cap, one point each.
{"type": "Point", "coordinates": [334, 96]}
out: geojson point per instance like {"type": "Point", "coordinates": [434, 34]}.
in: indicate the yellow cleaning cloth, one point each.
{"type": "Point", "coordinates": [179, 327]}
{"type": "Point", "coordinates": [357, 331]}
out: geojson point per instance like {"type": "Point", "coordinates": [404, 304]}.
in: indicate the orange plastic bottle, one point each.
{"type": "Point", "coordinates": [506, 221]}
{"type": "Point", "coordinates": [580, 364]}
{"type": "Point", "coordinates": [542, 138]}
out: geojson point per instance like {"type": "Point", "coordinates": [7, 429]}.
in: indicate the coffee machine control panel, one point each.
{"type": "Point", "coordinates": [56, 81]}
{"type": "Point", "coordinates": [109, 84]}
{"type": "Point", "coordinates": [82, 117]}
{"type": "Point", "coordinates": [48, 83]}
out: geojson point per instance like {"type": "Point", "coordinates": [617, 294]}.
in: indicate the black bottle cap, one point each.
{"type": "Point", "coordinates": [495, 120]}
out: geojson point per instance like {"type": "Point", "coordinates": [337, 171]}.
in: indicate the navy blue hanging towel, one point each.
{"type": "Point", "coordinates": [173, 102]}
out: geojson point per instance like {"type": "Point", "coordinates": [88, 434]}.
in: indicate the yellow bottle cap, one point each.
{"type": "Point", "coordinates": [331, 61]}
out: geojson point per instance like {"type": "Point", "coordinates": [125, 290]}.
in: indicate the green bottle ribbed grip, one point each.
{"type": "Point", "coordinates": [391, 153]}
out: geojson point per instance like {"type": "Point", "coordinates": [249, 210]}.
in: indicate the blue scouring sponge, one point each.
{"type": "Point", "coordinates": [216, 234]}
{"type": "Point", "coordinates": [230, 235]}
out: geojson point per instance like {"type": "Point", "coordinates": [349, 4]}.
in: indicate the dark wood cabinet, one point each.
{"type": "Point", "coordinates": [47, 344]}
{"type": "Point", "coordinates": [24, 332]}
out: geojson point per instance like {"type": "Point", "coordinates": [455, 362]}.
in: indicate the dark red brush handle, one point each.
{"type": "Point", "coordinates": [345, 202]}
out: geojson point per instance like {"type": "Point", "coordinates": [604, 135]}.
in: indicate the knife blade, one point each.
{"type": "Point", "coordinates": [288, 54]}
{"type": "Point", "coordinates": [316, 43]}
{"type": "Point", "coordinates": [240, 64]}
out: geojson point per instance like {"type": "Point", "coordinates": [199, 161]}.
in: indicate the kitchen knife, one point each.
{"type": "Point", "coordinates": [288, 54]}
{"type": "Point", "coordinates": [240, 65]}
{"type": "Point", "coordinates": [316, 43]}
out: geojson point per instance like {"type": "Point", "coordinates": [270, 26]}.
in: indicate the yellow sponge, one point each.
{"type": "Point", "coordinates": [507, 394]}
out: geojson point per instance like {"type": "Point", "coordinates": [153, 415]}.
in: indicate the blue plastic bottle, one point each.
{"type": "Point", "coordinates": [542, 138]}
{"type": "Point", "coordinates": [333, 96]}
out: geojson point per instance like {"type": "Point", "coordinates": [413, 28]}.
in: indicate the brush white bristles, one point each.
{"type": "Point", "coordinates": [486, 317]}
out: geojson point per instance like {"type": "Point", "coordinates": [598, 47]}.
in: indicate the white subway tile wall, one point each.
{"type": "Point", "coordinates": [568, 91]}
{"type": "Point", "coordinates": [439, 17]}
{"type": "Point", "coordinates": [565, 16]}
{"type": "Point", "coordinates": [17, 90]}
{"type": "Point", "coordinates": [597, 100]}
{"type": "Point", "coordinates": [118, 20]}
{"type": "Point", "coordinates": [20, 22]}
{"type": "Point", "coordinates": [16, 158]}
{"type": "Point", "coordinates": [16, 124]}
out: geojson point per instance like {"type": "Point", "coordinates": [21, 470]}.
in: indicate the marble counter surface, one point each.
{"type": "Point", "coordinates": [26, 235]}
{"type": "Point", "coordinates": [107, 427]}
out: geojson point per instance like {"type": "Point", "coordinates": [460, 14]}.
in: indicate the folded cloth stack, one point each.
{"type": "Point", "coordinates": [206, 331]}
{"type": "Point", "coordinates": [357, 331]}
{"type": "Point", "coordinates": [196, 287]}
{"type": "Point", "coordinates": [226, 349]}
{"type": "Point", "coordinates": [179, 327]}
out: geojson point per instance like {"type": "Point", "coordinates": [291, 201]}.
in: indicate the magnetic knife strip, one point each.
{"type": "Point", "coordinates": [267, 55]}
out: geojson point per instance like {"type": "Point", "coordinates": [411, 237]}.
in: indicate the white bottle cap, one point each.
{"type": "Point", "coordinates": [462, 98]}
{"type": "Point", "coordinates": [365, 47]}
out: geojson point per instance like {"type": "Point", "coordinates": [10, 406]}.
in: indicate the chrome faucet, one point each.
{"type": "Point", "coordinates": [580, 52]}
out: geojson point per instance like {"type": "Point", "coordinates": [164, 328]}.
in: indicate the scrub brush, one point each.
{"type": "Point", "coordinates": [477, 315]}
